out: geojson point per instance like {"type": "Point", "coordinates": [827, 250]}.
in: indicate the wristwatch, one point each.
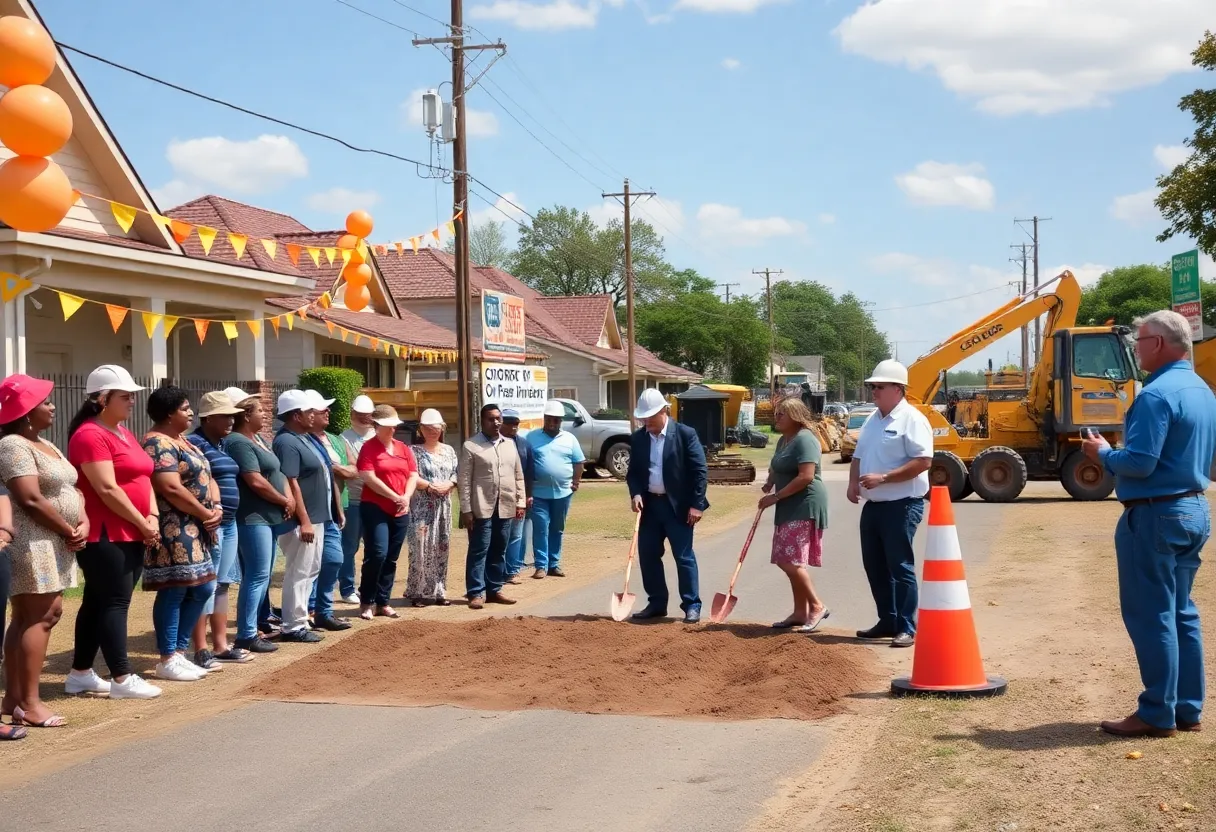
{"type": "Point", "coordinates": [884, 478]}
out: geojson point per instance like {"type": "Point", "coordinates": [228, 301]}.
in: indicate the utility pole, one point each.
{"type": "Point", "coordinates": [627, 198]}
{"type": "Point", "coordinates": [772, 331]}
{"type": "Point", "coordinates": [727, 286]}
{"type": "Point", "coordinates": [1023, 260]}
{"type": "Point", "coordinates": [460, 203]}
{"type": "Point", "coordinates": [1038, 337]}
{"type": "Point", "coordinates": [861, 338]}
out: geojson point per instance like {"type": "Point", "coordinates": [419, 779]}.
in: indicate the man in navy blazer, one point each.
{"type": "Point", "coordinates": [667, 478]}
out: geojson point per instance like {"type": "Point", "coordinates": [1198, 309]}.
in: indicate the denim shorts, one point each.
{"type": "Point", "coordinates": [227, 564]}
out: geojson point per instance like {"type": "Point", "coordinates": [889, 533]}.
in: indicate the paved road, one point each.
{"type": "Point", "coordinates": [326, 767]}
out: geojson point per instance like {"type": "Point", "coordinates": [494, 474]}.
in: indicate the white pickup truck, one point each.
{"type": "Point", "coordinates": [605, 442]}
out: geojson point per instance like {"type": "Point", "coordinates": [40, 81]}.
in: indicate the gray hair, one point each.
{"type": "Point", "coordinates": [1174, 329]}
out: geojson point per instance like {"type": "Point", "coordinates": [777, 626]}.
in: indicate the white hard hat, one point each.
{"type": "Point", "coordinates": [362, 404]}
{"type": "Point", "coordinates": [317, 401]}
{"type": "Point", "coordinates": [110, 377]}
{"type": "Point", "coordinates": [290, 400]}
{"type": "Point", "coordinates": [555, 408]}
{"type": "Point", "coordinates": [649, 403]}
{"type": "Point", "coordinates": [430, 416]}
{"type": "Point", "coordinates": [239, 396]}
{"type": "Point", "coordinates": [889, 371]}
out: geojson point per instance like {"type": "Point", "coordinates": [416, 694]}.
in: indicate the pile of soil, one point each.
{"type": "Point", "coordinates": [584, 664]}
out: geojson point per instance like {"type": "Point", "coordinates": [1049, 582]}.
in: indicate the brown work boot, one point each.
{"type": "Point", "coordinates": [1134, 726]}
{"type": "Point", "coordinates": [499, 598]}
{"type": "Point", "coordinates": [1190, 727]}
{"type": "Point", "coordinates": [476, 602]}
{"type": "Point", "coordinates": [539, 573]}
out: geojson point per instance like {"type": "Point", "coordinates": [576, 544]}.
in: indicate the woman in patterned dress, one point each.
{"type": "Point", "coordinates": [796, 488]}
{"type": "Point", "coordinates": [49, 527]}
{"type": "Point", "coordinates": [430, 531]}
{"type": "Point", "coordinates": [179, 569]}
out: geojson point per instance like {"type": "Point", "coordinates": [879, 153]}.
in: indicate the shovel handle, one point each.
{"type": "Point", "coordinates": [637, 523]}
{"type": "Point", "coordinates": [746, 544]}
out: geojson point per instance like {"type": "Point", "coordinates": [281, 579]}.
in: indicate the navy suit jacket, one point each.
{"type": "Point", "coordinates": [685, 474]}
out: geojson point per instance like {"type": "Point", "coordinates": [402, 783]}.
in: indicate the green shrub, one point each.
{"type": "Point", "coordinates": [338, 384]}
{"type": "Point", "coordinates": [609, 413]}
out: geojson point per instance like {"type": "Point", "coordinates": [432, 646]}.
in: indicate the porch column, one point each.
{"type": "Point", "coordinates": [12, 334]}
{"type": "Point", "coordinates": [250, 351]}
{"type": "Point", "coordinates": [149, 356]}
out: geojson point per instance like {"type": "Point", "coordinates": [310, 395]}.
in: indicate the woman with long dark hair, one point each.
{"type": "Point", "coordinates": [115, 477]}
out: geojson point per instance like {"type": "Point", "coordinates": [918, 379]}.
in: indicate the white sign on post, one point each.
{"type": "Point", "coordinates": [521, 387]}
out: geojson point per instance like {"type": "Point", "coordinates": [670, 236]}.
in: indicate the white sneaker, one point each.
{"type": "Point", "coordinates": [133, 688]}
{"type": "Point", "coordinates": [177, 669]}
{"type": "Point", "coordinates": [353, 598]}
{"type": "Point", "coordinates": [86, 682]}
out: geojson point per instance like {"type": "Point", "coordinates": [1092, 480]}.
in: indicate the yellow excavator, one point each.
{"type": "Point", "coordinates": [1086, 377]}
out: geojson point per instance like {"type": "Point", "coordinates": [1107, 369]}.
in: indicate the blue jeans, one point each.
{"type": "Point", "coordinates": [227, 570]}
{"type": "Point", "coordinates": [1157, 549]}
{"type": "Point", "coordinates": [887, 530]}
{"type": "Point", "coordinates": [383, 537]}
{"type": "Point", "coordinates": [548, 526]}
{"type": "Point", "coordinates": [321, 600]}
{"type": "Point", "coordinates": [352, 536]}
{"type": "Point", "coordinates": [174, 614]}
{"type": "Point", "coordinates": [257, 555]}
{"type": "Point", "coordinates": [517, 545]}
{"type": "Point", "coordinates": [485, 566]}
{"type": "Point", "coordinates": [659, 523]}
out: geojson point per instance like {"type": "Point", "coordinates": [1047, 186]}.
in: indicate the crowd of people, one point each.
{"type": "Point", "coordinates": [203, 502]}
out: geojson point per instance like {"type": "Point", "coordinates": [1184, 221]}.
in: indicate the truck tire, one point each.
{"type": "Point", "coordinates": [1085, 479]}
{"type": "Point", "coordinates": [998, 474]}
{"type": "Point", "coordinates": [616, 459]}
{"type": "Point", "coordinates": [967, 489]}
{"type": "Point", "coordinates": [949, 470]}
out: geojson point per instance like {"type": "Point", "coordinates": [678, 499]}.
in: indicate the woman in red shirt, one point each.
{"type": "Point", "coordinates": [389, 476]}
{"type": "Point", "coordinates": [115, 476]}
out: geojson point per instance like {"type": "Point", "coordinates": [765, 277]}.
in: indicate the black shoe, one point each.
{"type": "Point", "coordinates": [328, 622]}
{"type": "Point", "coordinates": [304, 636]}
{"type": "Point", "coordinates": [692, 616]}
{"type": "Point", "coordinates": [266, 628]}
{"type": "Point", "coordinates": [205, 659]}
{"type": "Point", "coordinates": [556, 572]}
{"type": "Point", "coordinates": [257, 644]}
{"type": "Point", "coordinates": [876, 633]}
{"type": "Point", "coordinates": [903, 640]}
{"type": "Point", "coordinates": [649, 612]}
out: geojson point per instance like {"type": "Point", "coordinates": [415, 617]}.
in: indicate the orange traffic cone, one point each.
{"type": "Point", "coordinates": [946, 661]}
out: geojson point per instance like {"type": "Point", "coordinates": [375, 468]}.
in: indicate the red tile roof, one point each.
{"type": "Point", "coordinates": [584, 315]}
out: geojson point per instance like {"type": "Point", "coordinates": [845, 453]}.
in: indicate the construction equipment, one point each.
{"type": "Point", "coordinates": [704, 409]}
{"type": "Point", "coordinates": [622, 602]}
{"type": "Point", "coordinates": [723, 604]}
{"type": "Point", "coordinates": [1086, 377]}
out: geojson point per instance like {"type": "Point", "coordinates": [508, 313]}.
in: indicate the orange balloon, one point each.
{"type": "Point", "coordinates": [356, 257]}
{"type": "Point", "coordinates": [35, 194]}
{"type": "Point", "coordinates": [359, 275]}
{"type": "Point", "coordinates": [348, 241]}
{"type": "Point", "coordinates": [34, 121]}
{"type": "Point", "coordinates": [357, 297]}
{"type": "Point", "coordinates": [27, 53]}
{"type": "Point", "coordinates": [359, 223]}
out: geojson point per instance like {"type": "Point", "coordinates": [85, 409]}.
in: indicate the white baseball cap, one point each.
{"type": "Point", "coordinates": [362, 404]}
{"type": "Point", "coordinates": [110, 377]}
{"type": "Point", "coordinates": [554, 408]}
{"type": "Point", "coordinates": [385, 415]}
{"type": "Point", "coordinates": [318, 402]}
{"type": "Point", "coordinates": [239, 396]}
{"type": "Point", "coordinates": [290, 400]}
{"type": "Point", "coordinates": [649, 403]}
{"type": "Point", "coordinates": [430, 416]}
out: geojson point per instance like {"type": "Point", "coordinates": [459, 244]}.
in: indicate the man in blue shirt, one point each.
{"type": "Point", "coordinates": [516, 542]}
{"type": "Point", "coordinates": [1169, 439]}
{"type": "Point", "coordinates": [557, 462]}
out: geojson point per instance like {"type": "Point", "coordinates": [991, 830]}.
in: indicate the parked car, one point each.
{"type": "Point", "coordinates": [852, 428]}
{"type": "Point", "coordinates": [605, 442]}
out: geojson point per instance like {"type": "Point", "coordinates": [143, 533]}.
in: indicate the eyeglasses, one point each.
{"type": "Point", "coordinates": [1139, 338]}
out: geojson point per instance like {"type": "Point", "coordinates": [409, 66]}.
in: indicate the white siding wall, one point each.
{"type": "Point", "coordinates": [439, 312]}
{"type": "Point", "coordinates": [291, 352]}
{"type": "Point", "coordinates": [77, 346]}
{"type": "Point", "coordinates": [212, 360]}
{"type": "Point", "coordinates": [570, 370]}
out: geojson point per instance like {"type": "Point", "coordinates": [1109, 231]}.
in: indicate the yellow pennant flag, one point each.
{"type": "Point", "coordinates": [388, 349]}
{"type": "Point", "coordinates": [400, 248]}
{"type": "Point", "coordinates": [70, 303]}
{"type": "Point", "coordinates": [414, 243]}
{"type": "Point", "coordinates": [303, 313]}
{"type": "Point", "coordinates": [435, 234]}
{"type": "Point", "coordinates": [330, 254]}
{"type": "Point", "coordinates": [272, 248]}
{"type": "Point", "coordinates": [346, 255]}
{"type": "Point", "coordinates": [151, 319]}
{"type": "Point", "coordinates": [200, 329]}
{"type": "Point", "coordinates": [124, 215]}
{"type": "Point", "coordinates": [230, 331]}
{"type": "Point", "coordinates": [206, 236]}
{"type": "Point", "coordinates": [315, 254]}
{"type": "Point", "coordinates": [255, 327]}
{"type": "Point", "coordinates": [451, 226]}
{"type": "Point", "coordinates": [170, 322]}
{"type": "Point", "coordinates": [117, 314]}
{"type": "Point", "coordinates": [239, 241]}
{"type": "Point", "coordinates": [330, 326]}
{"type": "Point", "coordinates": [274, 324]}
{"type": "Point", "coordinates": [324, 301]}
{"type": "Point", "coordinates": [362, 249]}
{"type": "Point", "coordinates": [11, 285]}
{"type": "Point", "coordinates": [291, 319]}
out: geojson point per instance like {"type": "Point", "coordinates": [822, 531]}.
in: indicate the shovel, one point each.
{"type": "Point", "coordinates": [723, 604]}
{"type": "Point", "coordinates": [622, 602]}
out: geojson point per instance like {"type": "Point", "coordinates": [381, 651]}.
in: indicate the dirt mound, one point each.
{"type": "Point", "coordinates": [589, 665]}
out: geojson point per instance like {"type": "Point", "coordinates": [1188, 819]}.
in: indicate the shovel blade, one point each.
{"type": "Point", "coordinates": [721, 607]}
{"type": "Point", "coordinates": [622, 603]}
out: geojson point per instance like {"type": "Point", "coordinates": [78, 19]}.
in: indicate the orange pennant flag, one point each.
{"type": "Point", "coordinates": [414, 243]}
{"type": "Point", "coordinates": [206, 236]}
{"type": "Point", "coordinates": [180, 230]}
{"type": "Point", "coordinates": [303, 313]}
{"type": "Point", "coordinates": [293, 252]}
{"type": "Point", "coordinates": [435, 234]}
{"type": "Point", "coordinates": [375, 344]}
{"type": "Point", "coordinates": [315, 254]}
{"type": "Point", "coordinates": [272, 248]}
{"type": "Point", "coordinates": [117, 314]}
{"type": "Point", "coordinates": [330, 326]}
{"type": "Point", "coordinates": [381, 250]}
{"type": "Point", "coordinates": [274, 323]}
{"type": "Point", "coordinates": [343, 332]}
{"type": "Point", "coordinates": [200, 328]}
{"type": "Point", "coordinates": [400, 248]}
{"type": "Point", "coordinates": [239, 241]}
{"type": "Point", "coordinates": [255, 327]}
{"type": "Point", "coordinates": [230, 330]}
{"type": "Point", "coordinates": [459, 214]}
{"type": "Point", "coordinates": [124, 215]}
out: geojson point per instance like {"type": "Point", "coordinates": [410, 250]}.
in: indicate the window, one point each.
{"type": "Point", "coordinates": [1099, 356]}
{"type": "Point", "coordinates": [563, 393]}
{"type": "Point", "coordinates": [570, 412]}
{"type": "Point", "coordinates": [376, 372]}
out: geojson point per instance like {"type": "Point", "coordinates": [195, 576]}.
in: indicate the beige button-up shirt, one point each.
{"type": "Point", "coordinates": [490, 475]}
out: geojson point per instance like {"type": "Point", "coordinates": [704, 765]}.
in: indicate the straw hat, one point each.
{"type": "Point", "coordinates": [385, 415]}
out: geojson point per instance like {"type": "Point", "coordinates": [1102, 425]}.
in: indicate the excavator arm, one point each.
{"type": "Point", "coordinates": [1060, 305]}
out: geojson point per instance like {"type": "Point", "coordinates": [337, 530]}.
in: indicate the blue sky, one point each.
{"type": "Point", "coordinates": [884, 148]}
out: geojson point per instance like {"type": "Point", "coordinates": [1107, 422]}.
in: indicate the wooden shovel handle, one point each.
{"type": "Point", "coordinates": [743, 554]}
{"type": "Point", "coordinates": [637, 524]}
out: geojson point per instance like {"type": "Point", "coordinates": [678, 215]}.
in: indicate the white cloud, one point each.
{"type": "Point", "coordinates": [1085, 273]}
{"type": "Point", "coordinates": [176, 192]}
{"type": "Point", "coordinates": [244, 167]}
{"type": "Point", "coordinates": [1137, 208]}
{"type": "Point", "coordinates": [827, 219]}
{"type": "Point", "coordinates": [666, 215]}
{"type": "Point", "coordinates": [724, 6]}
{"type": "Point", "coordinates": [479, 123]}
{"type": "Point", "coordinates": [731, 63]}
{"type": "Point", "coordinates": [1171, 156]}
{"type": "Point", "coordinates": [938, 272]}
{"type": "Point", "coordinates": [502, 206]}
{"type": "Point", "coordinates": [342, 200]}
{"type": "Point", "coordinates": [938, 183]}
{"type": "Point", "coordinates": [555, 16]}
{"type": "Point", "coordinates": [716, 221]}
{"type": "Point", "coordinates": [1023, 57]}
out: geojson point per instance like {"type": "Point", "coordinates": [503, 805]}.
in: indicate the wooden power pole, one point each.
{"type": "Point", "coordinates": [1023, 260]}
{"type": "Point", "coordinates": [627, 197]}
{"type": "Point", "coordinates": [1038, 334]}
{"type": "Point", "coordinates": [772, 331]}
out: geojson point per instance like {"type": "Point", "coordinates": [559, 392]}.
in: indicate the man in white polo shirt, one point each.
{"type": "Point", "coordinates": [890, 470]}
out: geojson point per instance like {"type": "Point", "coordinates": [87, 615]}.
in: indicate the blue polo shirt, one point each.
{"type": "Point", "coordinates": [224, 471]}
{"type": "Point", "coordinates": [1169, 437]}
{"type": "Point", "coordinates": [554, 458]}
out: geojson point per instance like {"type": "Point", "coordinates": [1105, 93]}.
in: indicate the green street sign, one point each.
{"type": "Point", "coordinates": [1184, 287]}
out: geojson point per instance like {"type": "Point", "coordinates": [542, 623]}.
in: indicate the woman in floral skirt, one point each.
{"type": "Point", "coordinates": [430, 533]}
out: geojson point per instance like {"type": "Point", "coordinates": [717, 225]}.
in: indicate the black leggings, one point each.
{"type": "Point", "coordinates": [111, 571]}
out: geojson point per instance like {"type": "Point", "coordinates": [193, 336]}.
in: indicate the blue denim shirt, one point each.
{"type": "Point", "coordinates": [1169, 437]}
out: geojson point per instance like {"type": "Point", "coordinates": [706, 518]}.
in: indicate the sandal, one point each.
{"type": "Point", "coordinates": [12, 732]}
{"type": "Point", "coordinates": [386, 612]}
{"type": "Point", "coordinates": [442, 602]}
{"type": "Point", "coordinates": [787, 623]}
{"type": "Point", "coordinates": [52, 721]}
{"type": "Point", "coordinates": [417, 602]}
{"type": "Point", "coordinates": [366, 613]}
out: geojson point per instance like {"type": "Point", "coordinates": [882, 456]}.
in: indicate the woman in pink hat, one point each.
{"type": "Point", "coordinates": [49, 527]}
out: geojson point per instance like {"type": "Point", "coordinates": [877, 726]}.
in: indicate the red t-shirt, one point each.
{"type": "Point", "coordinates": [393, 470]}
{"type": "Point", "coordinates": [132, 471]}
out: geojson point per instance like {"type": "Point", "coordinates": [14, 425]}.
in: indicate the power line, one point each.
{"type": "Point", "coordinates": [383, 20]}
{"type": "Point", "coordinates": [940, 300]}
{"type": "Point", "coordinates": [444, 23]}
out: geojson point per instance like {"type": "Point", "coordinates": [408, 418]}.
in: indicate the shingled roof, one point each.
{"type": "Point", "coordinates": [584, 315]}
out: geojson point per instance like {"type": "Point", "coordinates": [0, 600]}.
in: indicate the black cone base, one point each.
{"type": "Point", "coordinates": [995, 687]}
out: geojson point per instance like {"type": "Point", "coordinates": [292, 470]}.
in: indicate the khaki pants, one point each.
{"type": "Point", "coordinates": [303, 564]}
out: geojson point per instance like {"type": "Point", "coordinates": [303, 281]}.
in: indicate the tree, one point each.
{"type": "Point", "coordinates": [487, 246]}
{"type": "Point", "coordinates": [1187, 199]}
{"type": "Point", "coordinates": [1121, 295]}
